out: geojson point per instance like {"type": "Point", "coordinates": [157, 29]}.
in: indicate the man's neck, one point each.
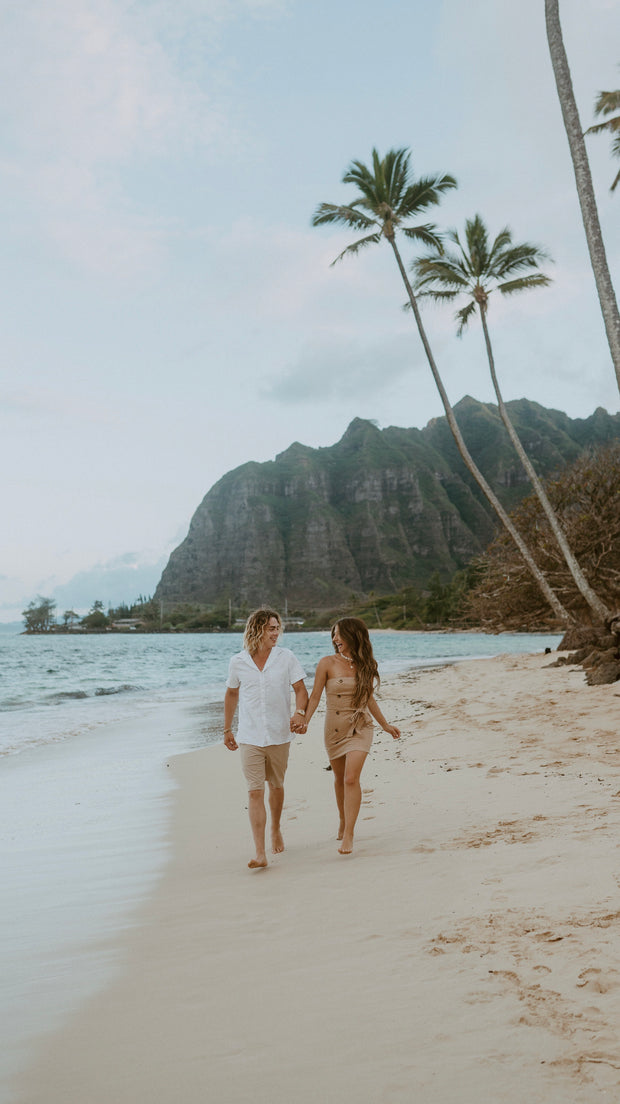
{"type": "Point", "coordinates": [261, 655]}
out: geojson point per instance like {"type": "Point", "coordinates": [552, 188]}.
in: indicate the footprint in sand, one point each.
{"type": "Point", "coordinates": [597, 982]}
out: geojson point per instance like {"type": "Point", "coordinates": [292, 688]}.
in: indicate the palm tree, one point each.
{"type": "Point", "coordinates": [476, 269]}
{"type": "Point", "coordinates": [606, 104]}
{"type": "Point", "coordinates": [389, 199]}
{"type": "Point", "coordinates": [583, 178]}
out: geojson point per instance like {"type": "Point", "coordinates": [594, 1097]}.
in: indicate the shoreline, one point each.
{"type": "Point", "coordinates": [473, 932]}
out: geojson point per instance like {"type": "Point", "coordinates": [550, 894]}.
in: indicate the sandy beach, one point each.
{"type": "Point", "coordinates": [468, 950]}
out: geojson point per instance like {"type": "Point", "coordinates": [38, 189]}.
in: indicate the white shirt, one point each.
{"type": "Point", "coordinates": [264, 696]}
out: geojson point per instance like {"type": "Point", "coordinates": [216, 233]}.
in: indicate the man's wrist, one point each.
{"type": "Point", "coordinates": [302, 712]}
{"type": "Point", "coordinates": [227, 730]}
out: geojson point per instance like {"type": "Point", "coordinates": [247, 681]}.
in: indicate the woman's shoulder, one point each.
{"type": "Point", "coordinates": [325, 661]}
{"type": "Point", "coordinates": [327, 664]}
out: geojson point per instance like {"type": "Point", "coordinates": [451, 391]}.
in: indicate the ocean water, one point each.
{"type": "Point", "coordinates": [56, 688]}
{"type": "Point", "coordinates": [86, 727]}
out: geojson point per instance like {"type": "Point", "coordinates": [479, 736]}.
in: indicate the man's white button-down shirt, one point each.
{"type": "Point", "coordinates": [264, 696]}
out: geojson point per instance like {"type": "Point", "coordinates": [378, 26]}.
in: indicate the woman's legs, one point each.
{"type": "Point", "coordinates": [347, 770]}
{"type": "Point", "coordinates": [338, 766]}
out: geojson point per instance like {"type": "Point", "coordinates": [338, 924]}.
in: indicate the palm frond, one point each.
{"type": "Point", "coordinates": [463, 317]}
{"type": "Point", "coordinates": [610, 125]}
{"type": "Point", "coordinates": [436, 294]}
{"type": "Point", "coordinates": [518, 258]}
{"type": "Point", "coordinates": [437, 273]}
{"type": "Point", "coordinates": [524, 283]}
{"type": "Point", "coordinates": [606, 102]}
{"type": "Point", "coordinates": [329, 214]}
{"type": "Point", "coordinates": [441, 268]}
{"type": "Point", "coordinates": [355, 247]}
{"type": "Point", "coordinates": [423, 193]}
{"type": "Point", "coordinates": [428, 234]}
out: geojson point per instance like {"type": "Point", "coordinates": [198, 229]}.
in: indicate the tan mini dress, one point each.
{"type": "Point", "coordinates": [346, 728]}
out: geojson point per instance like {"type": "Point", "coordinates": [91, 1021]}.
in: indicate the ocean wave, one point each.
{"type": "Point", "coordinates": [66, 695]}
{"type": "Point", "coordinates": [125, 688]}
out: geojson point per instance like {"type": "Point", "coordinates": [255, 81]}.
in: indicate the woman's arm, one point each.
{"type": "Point", "coordinates": [320, 678]}
{"type": "Point", "coordinates": [375, 712]}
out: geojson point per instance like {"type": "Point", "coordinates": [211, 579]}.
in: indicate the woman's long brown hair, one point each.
{"type": "Point", "coordinates": [355, 635]}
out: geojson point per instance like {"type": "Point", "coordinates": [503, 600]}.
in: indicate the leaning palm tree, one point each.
{"type": "Point", "coordinates": [606, 104]}
{"type": "Point", "coordinates": [389, 199]}
{"type": "Point", "coordinates": [583, 178]}
{"type": "Point", "coordinates": [476, 269]}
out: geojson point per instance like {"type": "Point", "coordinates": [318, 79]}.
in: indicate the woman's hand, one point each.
{"type": "Point", "coordinates": [393, 731]}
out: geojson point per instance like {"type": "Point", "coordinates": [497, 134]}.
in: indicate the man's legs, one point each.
{"type": "Point", "coordinates": [260, 765]}
{"type": "Point", "coordinates": [253, 763]}
{"type": "Point", "coordinates": [276, 802]}
{"type": "Point", "coordinates": [258, 822]}
{"type": "Point", "coordinates": [276, 763]}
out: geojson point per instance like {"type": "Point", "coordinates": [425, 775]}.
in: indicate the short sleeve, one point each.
{"type": "Point", "coordinates": [233, 682]}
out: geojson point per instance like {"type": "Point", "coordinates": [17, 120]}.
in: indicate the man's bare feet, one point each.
{"type": "Point", "coordinates": [277, 843]}
{"type": "Point", "coordinates": [347, 846]}
{"type": "Point", "coordinates": [257, 864]}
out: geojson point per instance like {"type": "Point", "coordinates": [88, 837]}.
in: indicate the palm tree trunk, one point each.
{"type": "Point", "coordinates": [561, 613]}
{"type": "Point", "coordinates": [583, 177]}
{"type": "Point", "coordinates": [598, 608]}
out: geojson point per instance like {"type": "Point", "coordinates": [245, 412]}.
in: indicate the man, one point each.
{"type": "Point", "coordinates": [259, 681]}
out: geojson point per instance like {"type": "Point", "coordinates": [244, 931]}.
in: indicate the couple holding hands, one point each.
{"type": "Point", "coordinates": [259, 681]}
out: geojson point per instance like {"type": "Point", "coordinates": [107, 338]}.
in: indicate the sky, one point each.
{"type": "Point", "coordinates": [169, 313]}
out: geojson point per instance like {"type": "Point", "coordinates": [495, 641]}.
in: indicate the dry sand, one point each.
{"type": "Point", "coordinates": [468, 951]}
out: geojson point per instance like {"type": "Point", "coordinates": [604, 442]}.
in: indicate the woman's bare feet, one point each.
{"type": "Point", "coordinates": [340, 830]}
{"type": "Point", "coordinates": [257, 863]}
{"type": "Point", "coordinates": [277, 843]}
{"type": "Point", "coordinates": [347, 845]}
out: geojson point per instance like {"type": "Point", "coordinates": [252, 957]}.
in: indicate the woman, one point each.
{"type": "Point", "coordinates": [348, 678]}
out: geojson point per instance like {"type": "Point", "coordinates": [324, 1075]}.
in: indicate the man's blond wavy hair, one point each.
{"type": "Point", "coordinates": [255, 627]}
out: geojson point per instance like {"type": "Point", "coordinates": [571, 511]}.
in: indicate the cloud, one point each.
{"type": "Point", "coordinates": [93, 89]}
{"type": "Point", "coordinates": [121, 579]}
{"type": "Point", "coordinates": [334, 368]}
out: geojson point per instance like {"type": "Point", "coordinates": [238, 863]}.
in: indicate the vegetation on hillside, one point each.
{"type": "Point", "coordinates": [586, 497]}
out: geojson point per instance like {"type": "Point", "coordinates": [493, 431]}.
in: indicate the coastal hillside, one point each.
{"type": "Point", "coordinates": [378, 510]}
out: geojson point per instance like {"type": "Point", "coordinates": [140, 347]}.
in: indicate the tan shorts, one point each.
{"type": "Point", "coordinates": [262, 764]}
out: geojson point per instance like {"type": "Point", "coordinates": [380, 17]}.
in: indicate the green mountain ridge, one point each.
{"type": "Point", "coordinates": [378, 510]}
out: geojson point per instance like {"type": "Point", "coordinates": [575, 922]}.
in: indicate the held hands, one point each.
{"type": "Point", "coordinates": [298, 723]}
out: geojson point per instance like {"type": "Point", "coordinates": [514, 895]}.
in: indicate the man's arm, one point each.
{"type": "Point", "coordinates": [231, 700]}
{"type": "Point", "coordinates": [301, 702]}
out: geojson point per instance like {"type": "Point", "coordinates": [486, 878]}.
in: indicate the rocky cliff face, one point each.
{"type": "Point", "coordinates": [376, 511]}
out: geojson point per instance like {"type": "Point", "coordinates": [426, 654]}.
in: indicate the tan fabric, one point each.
{"type": "Point", "coordinates": [346, 728]}
{"type": "Point", "coordinates": [261, 764]}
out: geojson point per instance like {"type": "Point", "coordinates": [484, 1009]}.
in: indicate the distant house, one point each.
{"type": "Point", "coordinates": [127, 623]}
